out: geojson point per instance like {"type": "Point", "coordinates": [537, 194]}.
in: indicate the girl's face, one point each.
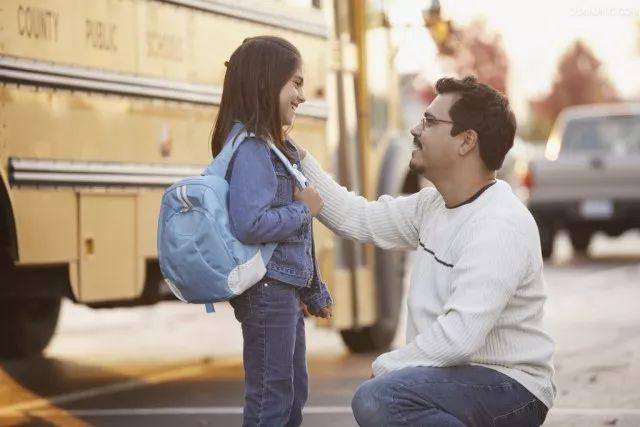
{"type": "Point", "coordinates": [291, 95]}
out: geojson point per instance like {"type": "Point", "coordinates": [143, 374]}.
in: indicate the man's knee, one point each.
{"type": "Point", "coordinates": [368, 405]}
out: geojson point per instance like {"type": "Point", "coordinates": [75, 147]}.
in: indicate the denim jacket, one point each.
{"type": "Point", "coordinates": [262, 210]}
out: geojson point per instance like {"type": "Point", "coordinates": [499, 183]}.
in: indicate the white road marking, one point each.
{"type": "Point", "coordinates": [237, 410]}
{"type": "Point", "coordinates": [218, 410]}
{"type": "Point", "coordinates": [595, 411]}
{"type": "Point", "coordinates": [174, 374]}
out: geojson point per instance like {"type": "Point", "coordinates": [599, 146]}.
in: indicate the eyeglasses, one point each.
{"type": "Point", "coordinates": [430, 121]}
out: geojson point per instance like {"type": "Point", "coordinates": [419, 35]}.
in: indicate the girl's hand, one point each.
{"type": "Point", "coordinates": [324, 312]}
{"type": "Point", "coordinates": [310, 197]}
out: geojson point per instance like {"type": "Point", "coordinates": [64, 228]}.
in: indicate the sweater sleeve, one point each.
{"type": "Point", "coordinates": [390, 223]}
{"type": "Point", "coordinates": [492, 262]}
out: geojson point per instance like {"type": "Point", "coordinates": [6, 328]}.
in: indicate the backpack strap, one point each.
{"type": "Point", "coordinates": [220, 164]}
{"type": "Point", "coordinates": [293, 169]}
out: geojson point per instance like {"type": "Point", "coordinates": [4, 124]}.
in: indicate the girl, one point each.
{"type": "Point", "coordinates": [263, 86]}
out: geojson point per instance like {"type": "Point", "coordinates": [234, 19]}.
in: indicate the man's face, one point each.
{"type": "Point", "coordinates": [435, 149]}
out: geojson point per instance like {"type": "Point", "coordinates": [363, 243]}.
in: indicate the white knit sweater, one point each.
{"type": "Point", "coordinates": [476, 292]}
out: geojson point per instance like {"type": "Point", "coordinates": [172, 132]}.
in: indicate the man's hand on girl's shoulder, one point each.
{"type": "Point", "coordinates": [310, 197]}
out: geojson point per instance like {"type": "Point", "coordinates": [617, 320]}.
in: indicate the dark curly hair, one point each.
{"type": "Point", "coordinates": [486, 111]}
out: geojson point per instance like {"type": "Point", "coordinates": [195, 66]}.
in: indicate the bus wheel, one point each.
{"type": "Point", "coordinates": [369, 339]}
{"type": "Point", "coordinates": [390, 270]}
{"type": "Point", "coordinates": [27, 325]}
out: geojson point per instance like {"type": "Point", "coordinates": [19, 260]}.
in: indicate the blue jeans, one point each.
{"type": "Point", "coordinates": [446, 397]}
{"type": "Point", "coordinates": [276, 381]}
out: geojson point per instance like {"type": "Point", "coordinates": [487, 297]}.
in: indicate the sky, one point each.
{"type": "Point", "coordinates": [535, 33]}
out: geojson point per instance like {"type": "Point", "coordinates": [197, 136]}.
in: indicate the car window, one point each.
{"type": "Point", "coordinates": [618, 135]}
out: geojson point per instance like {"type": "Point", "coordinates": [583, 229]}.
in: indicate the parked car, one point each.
{"type": "Point", "coordinates": [514, 167]}
{"type": "Point", "coordinates": [589, 180]}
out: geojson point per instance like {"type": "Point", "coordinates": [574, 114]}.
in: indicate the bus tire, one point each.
{"type": "Point", "coordinates": [390, 270]}
{"type": "Point", "coordinates": [27, 325]}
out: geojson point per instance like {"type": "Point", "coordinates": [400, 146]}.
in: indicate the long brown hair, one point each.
{"type": "Point", "coordinates": [256, 72]}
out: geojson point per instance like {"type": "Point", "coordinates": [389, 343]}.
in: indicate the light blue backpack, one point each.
{"type": "Point", "coordinates": [200, 259]}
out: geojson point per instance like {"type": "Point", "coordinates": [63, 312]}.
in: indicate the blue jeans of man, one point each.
{"type": "Point", "coordinates": [446, 397]}
{"type": "Point", "coordinates": [276, 380]}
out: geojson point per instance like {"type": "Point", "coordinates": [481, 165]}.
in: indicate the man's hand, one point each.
{"type": "Point", "coordinates": [310, 197]}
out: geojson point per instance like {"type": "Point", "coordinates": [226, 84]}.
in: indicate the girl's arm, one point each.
{"type": "Point", "coordinates": [252, 187]}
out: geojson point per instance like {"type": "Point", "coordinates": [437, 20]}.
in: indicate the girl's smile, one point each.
{"type": "Point", "coordinates": [291, 96]}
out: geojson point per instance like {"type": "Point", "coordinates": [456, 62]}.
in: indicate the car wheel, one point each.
{"type": "Point", "coordinates": [547, 237]}
{"type": "Point", "coordinates": [580, 240]}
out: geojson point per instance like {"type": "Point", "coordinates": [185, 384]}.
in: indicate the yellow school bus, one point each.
{"type": "Point", "coordinates": [105, 103]}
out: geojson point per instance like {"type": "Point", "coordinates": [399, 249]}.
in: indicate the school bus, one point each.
{"type": "Point", "coordinates": [103, 104]}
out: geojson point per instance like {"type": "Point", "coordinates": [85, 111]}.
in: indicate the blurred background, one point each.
{"type": "Point", "coordinates": [105, 103]}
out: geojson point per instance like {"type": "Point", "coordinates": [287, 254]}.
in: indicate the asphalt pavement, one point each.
{"type": "Point", "coordinates": [173, 365]}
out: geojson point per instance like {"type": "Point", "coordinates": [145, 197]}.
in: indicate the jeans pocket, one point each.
{"type": "Point", "coordinates": [527, 415]}
{"type": "Point", "coordinates": [275, 292]}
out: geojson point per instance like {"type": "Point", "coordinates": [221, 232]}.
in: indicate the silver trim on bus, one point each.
{"type": "Point", "coordinates": [255, 12]}
{"type": "Point", "coordinates": [61, 172]}
{"type": "Point", "coordinates": [91, 179]}
{"type": "Point", "coordinates": [41, 73]}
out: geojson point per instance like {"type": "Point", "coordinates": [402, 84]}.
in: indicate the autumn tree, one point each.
{"type": "Point", "coordinates": [579, 80]}
{"type": "Point", "coordinates": [468, 50]}
{"type": "Point", "coordinates": [482, 54]}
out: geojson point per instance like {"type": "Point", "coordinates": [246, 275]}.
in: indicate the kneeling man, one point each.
{"type": "Point", "coordinates": [476, 351]}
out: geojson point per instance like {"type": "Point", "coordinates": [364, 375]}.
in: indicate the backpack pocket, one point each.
{"type": "Point", "coordinates": [197, 254]}
{"type": "Point", "coordinates": [196, 225]}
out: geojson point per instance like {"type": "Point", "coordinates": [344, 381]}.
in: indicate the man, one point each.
{"type": "Point", "coordinates": [476, 353]}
